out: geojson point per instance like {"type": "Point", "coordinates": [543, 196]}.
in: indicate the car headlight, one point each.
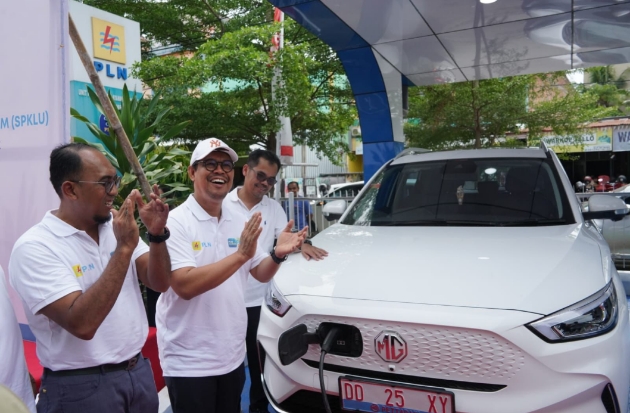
{"type": "Point", "coordinates": [275, 301]}
{"type": "Point", "coordinates": [593, 316]}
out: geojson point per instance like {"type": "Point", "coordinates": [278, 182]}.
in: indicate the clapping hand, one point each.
{"type": "Point", "coordinates": [249, 237]}
{"type": "Point", "coordinates": [124, 224]}
{"type": "Point", "coordinates": [288, 241]}
{"type": "Point", "coordinates": [153, 214]}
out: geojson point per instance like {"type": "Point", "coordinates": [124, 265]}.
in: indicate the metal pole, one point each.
{"type": "Point", "coordinates": [114, 122]}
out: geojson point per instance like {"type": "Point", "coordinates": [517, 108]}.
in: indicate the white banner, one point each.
{"type": "Point", "coordinates": [621, 139]}
{"type": "Point", "coordinates": [34, 113]}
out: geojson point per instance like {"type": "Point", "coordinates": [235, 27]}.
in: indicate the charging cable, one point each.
{"type": "Point", "coordinates": [330, 339]}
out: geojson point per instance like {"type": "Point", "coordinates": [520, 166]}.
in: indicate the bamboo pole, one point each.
{"type": "Point", "coordinates": [114, 122]}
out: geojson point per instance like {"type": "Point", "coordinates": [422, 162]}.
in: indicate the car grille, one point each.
{"type": "Point", "coordinates": [433, 351]}
{"type": "Point", "coordinates": [422, 381]}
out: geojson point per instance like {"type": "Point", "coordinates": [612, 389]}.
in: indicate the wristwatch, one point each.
{"type": "Point", "coordinates": [307, 241]}
{"type": "Point", "coordinates": [276, 259]}
{"type": "Point", "coordinates": [159, 238]}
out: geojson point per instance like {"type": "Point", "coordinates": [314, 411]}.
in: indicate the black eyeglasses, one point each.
{"type": "Point", "coordinates": [109, 185]}
{"type": "Point", "coordinates": [261, 176]}
{"type": "Point", "coordinates": [211, 165]}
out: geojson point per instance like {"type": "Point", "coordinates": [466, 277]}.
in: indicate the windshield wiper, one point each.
{"type": "Point", "coordinates": [531, 223]}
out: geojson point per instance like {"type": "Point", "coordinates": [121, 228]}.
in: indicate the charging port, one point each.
{"type": "Point", "coordinates": [348, 341]}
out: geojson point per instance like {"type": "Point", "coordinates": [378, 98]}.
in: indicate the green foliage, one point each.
{"type": "Point", "coordinates": [610, 89]}
{"type": "Point", "coordinates": [162, 162]}
{"type": "Point", "coordinates": [224, 81]}
{"type": "Point", "coordinates": [483, 113]}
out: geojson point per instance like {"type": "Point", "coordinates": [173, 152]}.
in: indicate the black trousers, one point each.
{"type": "Point", "coordinates": [257, 398]}
{"type": "Point", "coordinates": [213, 394]}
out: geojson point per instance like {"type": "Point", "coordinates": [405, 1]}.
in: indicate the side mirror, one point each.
{"type": "Point", "coordinates": [605, 207]}
{"type": "Point", "coordinates": [334, 210]}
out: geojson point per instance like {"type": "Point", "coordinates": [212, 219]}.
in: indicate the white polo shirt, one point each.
{"type": "Point", "coordinates": [203, 336]}
{"type": "Point", "coordinates": [13, 371]}
{"type": "Point", "coordinates": [54, 259]}
{"type": "Point", "coordinates": [274, 221]}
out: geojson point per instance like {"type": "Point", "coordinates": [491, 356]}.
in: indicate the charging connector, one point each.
{"type": "Point", "coordinates": [327, 344]}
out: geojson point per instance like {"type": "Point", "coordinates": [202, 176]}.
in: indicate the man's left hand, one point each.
{"type": "Point", "coordinates": [153, 214]}
{"type": "Point", "coordinates": [310, 252]}
{"type": "Point", "coordinates": [288, 241]}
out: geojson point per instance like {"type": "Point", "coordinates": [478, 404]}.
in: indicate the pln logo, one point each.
{"type": "Point", "coordinates": [199, 245]}
{"type": "Point", "coordinates": [109, 41]}
{"type": "Point", "coordinates": [79, 270]}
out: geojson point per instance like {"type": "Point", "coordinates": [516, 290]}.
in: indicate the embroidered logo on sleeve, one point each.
{"type": "Point", "coordinates": [78, 272]}
{"type": "Point", "coordinates": [233, 242]}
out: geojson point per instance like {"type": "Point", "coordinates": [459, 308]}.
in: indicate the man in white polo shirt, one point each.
{"type": "Point", "coordinates": [77, 273]}
{"type": "Point", "coordinates": [13, 371]}
{"type": "Point", "coordinates": [260, 176]}
{"type": "Point", "coordinates": [201, 320]}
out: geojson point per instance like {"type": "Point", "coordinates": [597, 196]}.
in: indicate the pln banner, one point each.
{"type": "Point", "coordinates": [34, 113]}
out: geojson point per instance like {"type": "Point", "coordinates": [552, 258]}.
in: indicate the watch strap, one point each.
{"type": "Point", "coordinates": [159, 238]}
{"type": "Point", "coordinates": [275, 258]}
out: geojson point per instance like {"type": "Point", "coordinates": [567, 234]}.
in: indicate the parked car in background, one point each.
{"type": "Point", "coordinates": [458, 278]}
{"type": "Point", "coordinates": [346, 190]}
{"type": "Point", "coordinates": [617, 235]}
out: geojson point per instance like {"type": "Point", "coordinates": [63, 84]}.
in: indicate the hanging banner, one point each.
{"type": "Point", "coordinates": [284, 137]}
{"type": "Point", "coordinates": [592, 140]}
{"type": "Point", "coordinates": [621, 139]}
{"type": "Point", "coordinates": [34, 114]}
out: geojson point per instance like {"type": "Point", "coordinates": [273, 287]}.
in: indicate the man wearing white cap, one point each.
{"type": "Point", "coordinates": [201, 319]}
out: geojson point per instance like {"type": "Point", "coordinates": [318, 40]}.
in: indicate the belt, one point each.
{"type": "Point", "coordinates": [103, 368]}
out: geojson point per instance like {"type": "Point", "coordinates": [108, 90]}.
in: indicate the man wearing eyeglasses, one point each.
{"type": "Point", "coordinates": [260, 176]}
{"type": "Point", "coordinates": [77, 273]}
{"type": "Point", "coordinates": [201, 320]}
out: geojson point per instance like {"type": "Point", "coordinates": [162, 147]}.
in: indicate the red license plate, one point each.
{"type": "Point", "coordinates": [364, 395]}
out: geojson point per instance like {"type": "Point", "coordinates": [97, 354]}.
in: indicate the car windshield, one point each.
{"type": "Point", "coordinates": [465, 192]}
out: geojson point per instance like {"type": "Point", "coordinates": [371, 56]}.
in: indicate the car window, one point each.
{"type": "Point", "coordinates": [505, 191]}
{"type": "Point", "coordinates": [349, 191]}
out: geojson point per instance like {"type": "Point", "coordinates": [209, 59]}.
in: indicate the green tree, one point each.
{"type": "Point", "coordinates": [222, 80]}
{"type": "Point", "coordinates": [610, 89]}
{"type": "Point", "coordinates": [162, 162]}
{"type": "Point", "coordinates": [483, 112]}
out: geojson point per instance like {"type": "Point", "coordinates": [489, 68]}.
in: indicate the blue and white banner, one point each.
{"type": "Point", "coordinates": [34, 113]}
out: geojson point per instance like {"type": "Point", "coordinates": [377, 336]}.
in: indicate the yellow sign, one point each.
{"type": "Point", "coordinates": [591, 140]}
{"type": "Point", "coordinates": [109, 41]}
{"type": "Point", "coordinates": [196, 246]}
{"type": "Point", "coordinates": [77, 270]}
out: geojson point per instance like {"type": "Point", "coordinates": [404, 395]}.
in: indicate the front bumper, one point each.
{"type": "Point", "coordinates": [487, 358]}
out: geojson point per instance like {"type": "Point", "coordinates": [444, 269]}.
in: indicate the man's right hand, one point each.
{"type": "Point", "coordinates": [249, 237]}
{"type": "Point", "coordinates": [125, 227]}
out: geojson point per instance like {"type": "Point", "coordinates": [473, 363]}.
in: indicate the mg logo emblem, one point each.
{"type": "Point", "coordinates": [390, 346]}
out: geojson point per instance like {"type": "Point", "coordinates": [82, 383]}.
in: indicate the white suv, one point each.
{"type": "Point", "coordinates": [458, 281]}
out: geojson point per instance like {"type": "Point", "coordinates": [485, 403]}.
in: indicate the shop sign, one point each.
{"type": "Point", "coordinates": [621, 139]}
{"type": "Point", "coordinates": [594, 140]}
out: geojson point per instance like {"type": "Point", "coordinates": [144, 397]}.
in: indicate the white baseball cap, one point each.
{"type": "Point", "coordinates": [205, 147]}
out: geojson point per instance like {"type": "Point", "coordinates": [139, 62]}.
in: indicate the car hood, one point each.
{"type": "Point", "coordinates": [533, 269]}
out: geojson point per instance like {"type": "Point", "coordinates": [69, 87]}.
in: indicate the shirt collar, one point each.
{"type": "Point", "coordinates": [233, 196]}
{"type": "Point", "coordinates": [201, 213]}
{"type": "Point", "coordinates": [61, 228]}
